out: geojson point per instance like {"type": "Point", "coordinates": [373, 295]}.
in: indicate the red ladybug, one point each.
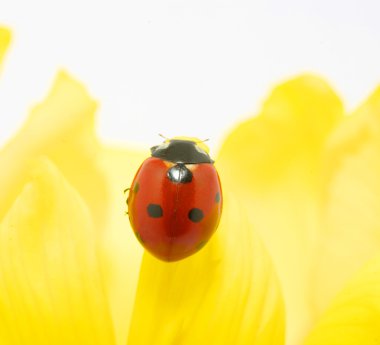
{"type": "Point", "coordinates": [175, 200]}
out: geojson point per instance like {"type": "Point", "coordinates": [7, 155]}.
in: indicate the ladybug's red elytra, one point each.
{"type": "Point", "coordinates": [175, 200]}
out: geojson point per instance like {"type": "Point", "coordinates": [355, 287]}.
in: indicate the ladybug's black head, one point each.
{"type": "Point", "coordinates": [182, 151]}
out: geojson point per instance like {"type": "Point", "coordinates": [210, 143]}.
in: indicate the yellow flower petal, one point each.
{"type": "Point", "coordinates": [289, 131]}
{"type": "Point", "coordinates": [5, 38]}
{"type": "Point", "coordinates": [61, 127]}
{"type": "Point", "coordinates": [225, 294]}
{"type": "Point", "coordinates": [70, 138]}
{"type": "Point", "coordinates": [273, 161]}
{"type": "Point", "coordinates": [51, 290]}
{"type": "Point", "coordinates": [121, 252]}
{"type": "Point", "coordinates": [351, 201]}
{"type": "Point", "coordinates": [353, 318]}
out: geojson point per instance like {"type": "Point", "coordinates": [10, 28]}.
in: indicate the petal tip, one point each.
{"type": "Point", "coordinates": [5, 39]}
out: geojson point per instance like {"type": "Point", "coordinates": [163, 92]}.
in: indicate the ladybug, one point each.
{"type": "Point", "coordinates": [175, 200]}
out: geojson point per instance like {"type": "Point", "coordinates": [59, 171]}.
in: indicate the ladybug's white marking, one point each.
{"type": "Point", "coordinates": [179, 173]}
{"type": "Point", "coordinates": [175, 174]}
{"type": "Point", "coordinates": [199, 149]}
{"type": "Point", "coordinates": [163, 146]}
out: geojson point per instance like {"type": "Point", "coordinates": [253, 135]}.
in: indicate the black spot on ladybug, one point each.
{"type": "Point", "coordinates": [195, 215]}
{"type": "Point", "coordinates": [136, 187]}
{"type": "Point", "coordinates": [217, 197]}
{"type": "Point", "coordinates": [179, 173]}
{"type": "Point", "coordinates": [201, 244]}
{"type": "Point", "coordinates": [154, 210]}
{"type": "Point", "coordinates": [138, 236]}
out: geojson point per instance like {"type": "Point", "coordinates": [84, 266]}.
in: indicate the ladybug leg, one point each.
{"type": "Point", "coordinates": [125, 191]}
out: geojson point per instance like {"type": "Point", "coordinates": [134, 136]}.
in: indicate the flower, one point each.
{"type": "Point", "coordinates": [301, 176]}
{"type": "Point", "coordinates": [71, 270]}
{"type": "Point", "coordinates": [308, 175]}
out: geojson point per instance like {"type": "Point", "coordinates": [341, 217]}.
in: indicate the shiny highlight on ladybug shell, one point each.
{"type": "Point", "coordinates": [175, 200]}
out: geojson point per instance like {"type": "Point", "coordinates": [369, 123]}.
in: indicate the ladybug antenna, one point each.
{"type": "Point", "coordinates": [163, 136]}
{"type": "Point", "coordinates": [202, 141]}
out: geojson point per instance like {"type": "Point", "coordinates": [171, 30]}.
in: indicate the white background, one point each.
{"type": "Point", "coordinates": [183, 67]}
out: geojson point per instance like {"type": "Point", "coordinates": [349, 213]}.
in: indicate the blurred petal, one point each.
{"type": "Point", "coordinates": [351, 200]}
{"type": "Point", "coordinates": [289, 131]}
{"type": "Point", "coordinates": [121, 252]}
{"type": "Point", "coordinates": [5, 38]}
{"type": "Point", "coordinates": [225, 294]}
{"type": "Point", "coordinates": [273, 161]}
{"type": "Point", "coordinates": [61, 127]}
{"type": "Point", "coordinates": [51, 290]}
{"type": "Point", "coordinates": [74, 146]}
{"type": "Point", "coordinates": [353, 318]}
